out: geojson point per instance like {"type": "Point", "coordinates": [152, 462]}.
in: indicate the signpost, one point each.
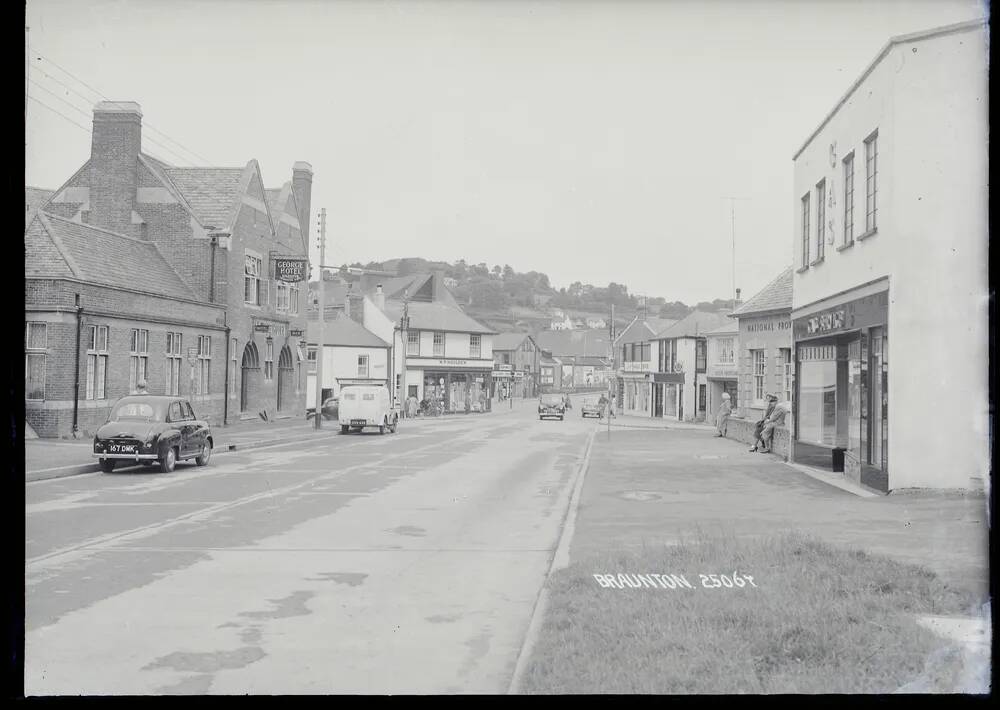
{"type": "Point", "coordinates": [318, 419]}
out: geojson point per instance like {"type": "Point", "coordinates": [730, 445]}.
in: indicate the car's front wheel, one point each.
{"type": "Point", "coordinates": [395, 423]}
{"type": "Point", "coordinates": [344, 429]}
{"type": "Point", "coordinates": [206, 454]}
{"type": "Point", "coordinates": [168, 461]}
{"type": "Point", "coordinates": [107, 465]}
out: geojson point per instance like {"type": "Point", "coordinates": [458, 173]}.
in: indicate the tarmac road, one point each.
{"type": "Point", "coordinates": [406, 563]}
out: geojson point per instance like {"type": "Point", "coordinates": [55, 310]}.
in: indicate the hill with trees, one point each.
{"type": "Point", "coordinates": [504, 298]}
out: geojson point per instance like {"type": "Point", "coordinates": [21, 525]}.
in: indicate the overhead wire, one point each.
{"type": "Point", "coordinates": [88, 99]}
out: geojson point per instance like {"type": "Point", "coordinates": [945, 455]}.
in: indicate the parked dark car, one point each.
{"type": "Point", "coordinates": [152, 429]}
{"type": "Point", "coordinates": [331, 409]}
{"type": "Point", "coordinates": [551, 405]}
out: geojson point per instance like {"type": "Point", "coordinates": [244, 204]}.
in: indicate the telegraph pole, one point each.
{"type": "Point", "coordinates": [614, 377]}
{"type": "Point", "coordinates": [732, 222]}
{"type": "Point", "coordinates": [322, 307]}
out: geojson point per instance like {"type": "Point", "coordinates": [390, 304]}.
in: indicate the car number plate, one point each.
{"type": "Point", "coordinates": [358, 422]}
{"type": "Point", "coordinates": [123, 449]}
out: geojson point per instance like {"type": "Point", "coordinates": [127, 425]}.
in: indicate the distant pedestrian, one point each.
{"type": "Point", "coordinates": [603, 404]}
{"type": "Point", "coordinates": [411, 406]}
{"type": "Point", "coordinates": [772, 401]}
{"type": "Point", "coordinates": [776, 419]}
{"type": "Point", "coordinates": [140, 387]}
{"type": "Point", "coordinates": [722, 418]}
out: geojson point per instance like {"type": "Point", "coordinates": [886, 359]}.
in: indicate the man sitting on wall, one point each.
{"type": "Point", "coordinates": [776, 419]}
{"type": "Point", "coordinates": [772, 400]}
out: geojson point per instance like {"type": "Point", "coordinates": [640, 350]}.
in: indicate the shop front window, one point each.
{"type": "Point", "coordinates": [818, 375]}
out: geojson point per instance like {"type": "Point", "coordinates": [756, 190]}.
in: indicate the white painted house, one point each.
{"type": "Point", "coordinates": [352, 355]}
{"type": "Point", "coordinates": [890, 244]}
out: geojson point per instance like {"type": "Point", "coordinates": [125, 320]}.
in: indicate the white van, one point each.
{"type": "Point", "coordinates": [366, 406]}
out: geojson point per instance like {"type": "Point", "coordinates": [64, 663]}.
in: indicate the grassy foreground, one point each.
{"type": "Point", "coordinates": [819, 620]}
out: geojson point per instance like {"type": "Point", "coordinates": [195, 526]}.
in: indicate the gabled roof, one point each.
{"type": "Point", "coordinates": [35, 197]}
{"type": "Point", "coordinates": [344, 332]}
{"type": "Point", "coordinates": [660, 324]}
{"type": "Point", "coordinates": [435, 316]}
{"type": "Point", "coordinates": [729, 328]}
{"type": "Point", "coordinates": [212, 193]}
{"type": "Point", "coordinates": [694, 325]}
{"type": "Point", "coordinates": [638, 331]}
{"type": "Point", "coordinates": [95, 255]}
{"type": "Point", "coordinates": [509, 341]}
{"type": "Point", "coordinates": [893, 41]}
{"type": "Point", "coordinates": [776, 296]}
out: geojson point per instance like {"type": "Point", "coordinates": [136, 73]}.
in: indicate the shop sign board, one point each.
{"type": "Point", "coordinates": [291, 270]}
{"type": "Point", "coordinates": [296, 332]}
{"type": "Point", "coordinates": [861, 313]}
{"type": "Point", "coordinates": [637, 366]}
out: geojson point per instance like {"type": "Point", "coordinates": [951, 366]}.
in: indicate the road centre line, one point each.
{"type": "Point", "coordinates": [204, 512]}
{"type": "Point", "coordinates": [308, 550]}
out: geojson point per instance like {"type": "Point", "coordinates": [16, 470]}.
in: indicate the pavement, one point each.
{"type": "Point", "coordinates": [56, 458]}
{"type": "Point", "coordinates": [365, 563]}
{"type": "Point", "coordinates": [653, 487]}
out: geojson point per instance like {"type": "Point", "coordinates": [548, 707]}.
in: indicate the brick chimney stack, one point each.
{"type": "Point", "coordinates": [114, 154]}
{"type": "Point", "coordinates": [379, 298]}
{"type": "Point", "coordinates": [302, 179]}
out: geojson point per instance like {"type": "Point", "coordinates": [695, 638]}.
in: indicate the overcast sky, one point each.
{"type": "Point", "coordinates": [593, 141]}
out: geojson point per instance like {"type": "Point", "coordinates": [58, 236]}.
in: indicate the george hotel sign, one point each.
{"type": "Point", "coordinates": [290, 270]}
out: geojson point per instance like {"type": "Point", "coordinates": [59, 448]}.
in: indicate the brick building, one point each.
{"type": "Point", "coordinates": [220, 232]}
{"type": "Point", "coordinates": [133, 322]}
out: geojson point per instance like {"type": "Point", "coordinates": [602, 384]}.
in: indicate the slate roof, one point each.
{"type": "Point", "coordinates": [345, 332]}
{"type": "Point", "coordinates": [640, 330]}
{"type": "Point", "coordinates": [509, 341]}
{"type": "Point", "coordinates": [35, 197]}
{"type": "Point", "coordinates": [574, 342]}
{"type": "Point", "coordinates": [660, 324]}
{"type": "Point", "coordinates": [55, 246]}
{"type": "Point", "coordinates": [696, 324]}
{"type": "Point", "coordinates": [212, 193]}
{"type": "Point", "coordinates": [436, 316]}
{"type": "Point", "coordinates": [776, 296]}
{"type": "Point", "coordinates": [725, 329]}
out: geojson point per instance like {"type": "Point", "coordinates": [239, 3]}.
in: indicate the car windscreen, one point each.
{"type": "Point", "coordinates": [349, 396]}
{"type": "Point", "coordinates": [552, 399]}
{"type": "Point", "coordinates": [143, 411]}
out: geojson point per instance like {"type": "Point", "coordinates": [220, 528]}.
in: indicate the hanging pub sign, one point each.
{"type": "Point", "coordinates": [296, 332]}
{"type": "Point", "coordinates": [262, 328]}
{"type": "Point", "coordinates": [290, 270]}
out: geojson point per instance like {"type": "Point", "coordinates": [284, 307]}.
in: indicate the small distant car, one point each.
{"type": "Point", "coordinates": [551, 405]}
{"type": "Point", "coordinates": [363, 406]}
{"type": "Point", "coordinates": [152, 429]}
{"type": "Point", "coordinates": [331, 409]}
{"type": "Point", "coordinates": [591, 408]}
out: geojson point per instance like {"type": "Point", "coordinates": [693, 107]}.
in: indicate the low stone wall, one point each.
{"type": "Point", "coordinates": [743, 430]}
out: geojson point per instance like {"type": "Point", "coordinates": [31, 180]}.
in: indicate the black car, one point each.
{"type": "Point", "coordinates": [152, 429]}
{"type": "Point", "coordinates": [551, 405]}
{"type": "Point", "coordinates": [331, 409]}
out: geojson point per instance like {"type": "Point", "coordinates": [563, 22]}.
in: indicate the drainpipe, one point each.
{"type": "Point", "coordinates": [225, 386]}
{"type": "Point", "coordinates": [211, 271]}
{"type": "Point", "coordinates": [76, 378]}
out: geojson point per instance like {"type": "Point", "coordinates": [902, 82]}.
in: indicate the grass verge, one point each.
{"type": "Point", "coordinates": [819, 620]}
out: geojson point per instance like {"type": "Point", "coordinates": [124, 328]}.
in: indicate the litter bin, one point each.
{"type": "Point", "coordinates": [838, 460]}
